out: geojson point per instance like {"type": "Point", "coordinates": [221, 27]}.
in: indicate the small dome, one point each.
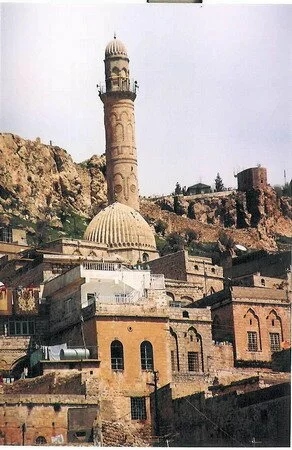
{"type": "Point", "coordinates": [115, 47]}
{"type": "Point", "coordinates": [120, 226]}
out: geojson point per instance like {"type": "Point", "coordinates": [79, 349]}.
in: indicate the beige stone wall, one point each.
{"type": "Point", "coordinates": [190, 332]}
{"type": "Point", "coordinates": [183, 291]}
{"type": "Point", "coordinates": [206, 277]}
{"type": "Point", "coordinates": [131, 332]}
{"type": "Point", "coordinates": [261, 317]}
{"type": "Point", "coordinates": [11, 349]}
{"type": "Point", "coordinates": [39, 414]}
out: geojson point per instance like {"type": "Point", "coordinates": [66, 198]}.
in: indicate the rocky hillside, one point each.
{"type": "Point", "coordinates": [256, 219]}
{"type": "Point", "coordinates": [41, 187]}
{"type": "Point", "coordinates": [38, 181]}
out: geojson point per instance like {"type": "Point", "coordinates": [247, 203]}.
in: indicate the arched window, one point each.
{"type": "Point", "coordinates": [145, 257]}
{"type": "Point", "coordinates": [274, 325]}
{"type": "Point", "coordinates": [174, 354]}
{"type": "Point", "coordinates": [186, 314]}
{"type": "Point", "coordinates": [252, 326]}
{"type": "Point", "coordinates": [146, 356]}
{"type": "Point", "coordinates": [117, 355]}
{"type": "Point", "coordinates": [40, 440]}
{"type": "Point", "coordinates": [193, 345]}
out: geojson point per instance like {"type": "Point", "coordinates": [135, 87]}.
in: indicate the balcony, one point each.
{"type": "Point", "coordinates": [104, 266]}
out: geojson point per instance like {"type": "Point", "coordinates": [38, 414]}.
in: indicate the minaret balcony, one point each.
{"type": "Point", "coordinates": [119, 90]}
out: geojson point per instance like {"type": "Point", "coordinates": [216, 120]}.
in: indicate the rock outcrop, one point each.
{"type": "Point", "coordinates": [39, 180]}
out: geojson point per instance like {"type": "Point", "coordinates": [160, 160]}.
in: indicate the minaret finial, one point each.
{"type": "Point", "coordinates": [115, 35]}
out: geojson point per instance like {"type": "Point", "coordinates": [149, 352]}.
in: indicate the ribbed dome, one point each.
{"type": "Point", "coordinates": [115, 47]}
{"type": "Point", "coordinates": [120, 226]}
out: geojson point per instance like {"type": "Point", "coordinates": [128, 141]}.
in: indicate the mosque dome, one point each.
{"type": "Point", "coordinates": [119, 226]}
{"type": "Point", "coordinates": [115, 47]}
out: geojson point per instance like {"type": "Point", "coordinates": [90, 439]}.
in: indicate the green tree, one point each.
{"type": "Point", "coordinates": [219, 186]}
{"type": "Point", "coordinates": [173, 243]}
{"type": "Point", "coordinates": [177, 190]}
{"type": "Point", "coordinates": [160, 227]}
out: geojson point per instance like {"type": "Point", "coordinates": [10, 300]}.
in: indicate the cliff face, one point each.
{"type": "Point", "coordinates": [37, 180]}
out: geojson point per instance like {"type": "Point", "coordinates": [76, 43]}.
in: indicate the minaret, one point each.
{"type": "Point", "coordinates": [118, 98]}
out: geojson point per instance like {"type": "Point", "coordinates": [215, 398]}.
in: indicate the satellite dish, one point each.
{"type": "Point", "coordinates": [241, 248]}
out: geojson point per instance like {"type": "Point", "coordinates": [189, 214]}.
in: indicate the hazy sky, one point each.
{"type": "Point", "coordinates": [214, 93]}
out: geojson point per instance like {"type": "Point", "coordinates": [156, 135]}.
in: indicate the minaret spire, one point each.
{"type": "Point", "coordinates": [118, 99]}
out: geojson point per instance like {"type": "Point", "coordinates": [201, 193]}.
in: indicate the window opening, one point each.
{"type": "Point", "coordinates": [275, 342]}
{"type": "Point", "coordinates": [146, 356]}
{"type": "Point", "coordinates": [252, 341]}
{"type": "Point", "coordinates": [21, 327]}
{"type": "Point", "coordinates": [193, 362]}
{"type": "Point", "coordinates": [40, 440]}
{"type": "Point", "coordinates": [138, 408]}
{"type": "Point", "coordinates": [117, 355]}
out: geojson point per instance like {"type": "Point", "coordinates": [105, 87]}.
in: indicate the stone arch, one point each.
{"type": "Point", "coordinates": [18, 365]}
{"type": "Point", "coordinates": [145, 257]}
{"type": "Point", "coordinates": [130, 133]}
{"type": "Point", "coordinates": [194, 347]}
{"type": "Point", "coordinates": [187, 299]}
{"type": "Point", "coordinates": [146, 354]}
{"type": "Point", "coordinates": [92, 253]}
{"type": "Point", "coordinates": [124, 72]}
{"type": "Point", "coordinates": [40, 440]}
{"type": "Point", "coordinates": [174, 353]}
{"type": "Point", "coordinates": [274, 327]}
{"type": "Point", "coordinates": [115, 75]}
{"type": "Point", "coordinates": [170, 296]}
{"type": "Point", "coordinates": [117, 355]}
{"type": "Point", "coordinates": [119, 132]}
{"type": "Point", "coordinates": [77, 252]}
{"type": "Point", "coordinates": [115, 71]}
{"type": "Point", "coordinates": [252, 325]}
{"type": "Point", "coordinates": [124, 117]}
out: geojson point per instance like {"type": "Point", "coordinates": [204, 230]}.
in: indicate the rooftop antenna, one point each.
{"type": "Point", "coordinates": [115, 35]}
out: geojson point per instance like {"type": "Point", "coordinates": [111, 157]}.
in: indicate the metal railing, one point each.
{"type": "Point", "coordinates": [124, 85]}
{"type": "Point", "coordinates": [117, 299]}
{"type": "Point", "coordinates": [104, 266]}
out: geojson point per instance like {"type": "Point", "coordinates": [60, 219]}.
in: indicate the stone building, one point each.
{"type": "Point", "coordinates": [12, 241]}
{"type": "Point", "coordinates": [252, 412]}
{"type": "Point", "coordinates": [188, 277]}
{"type": "Point", "coordinates": [199, 188]}
{"type": "Point", "coordinates": [253, 178]}
{"type": "Point", "coordinates": [255, 320]}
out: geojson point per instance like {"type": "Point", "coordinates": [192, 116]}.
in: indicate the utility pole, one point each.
{"type": "Point", "coordinates": [157, 424]}
{"type": "Point", "coordinates": [23, 429]}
